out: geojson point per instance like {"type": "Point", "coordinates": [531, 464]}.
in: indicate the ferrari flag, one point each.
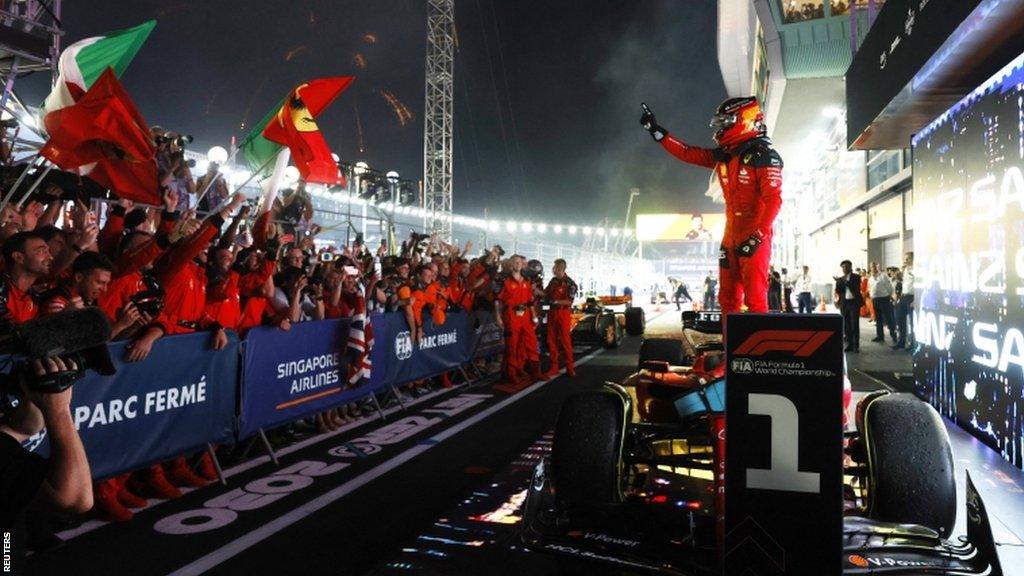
{"type": "Point", "coordinates": [292, 123]}
{"type": "Point", "coordinates": [104, 135]}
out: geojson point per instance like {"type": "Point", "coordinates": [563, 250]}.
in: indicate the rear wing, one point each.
{"type": "Point", "coordinates": [615, 300]}
{"type": "Point", "coordinates": [703, 322]}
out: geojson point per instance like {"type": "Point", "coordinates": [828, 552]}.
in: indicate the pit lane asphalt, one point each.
{"type": "Point", "coordinates": [318, 518]}
{"type": "Point", "coordinates": [354, 534]}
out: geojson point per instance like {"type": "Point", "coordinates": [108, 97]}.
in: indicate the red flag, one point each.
{"type": "Point", "coordinates": [294, 126]}
{"type": "Point", "coordinates": [104, 127]}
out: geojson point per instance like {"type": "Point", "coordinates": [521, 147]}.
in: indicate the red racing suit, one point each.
{"type": "Point", "coordinates": [560, 320]}
{"type": "Point", "coordinates": [751, 179]}
{"type": "Point", "coordinates": [516, 297]}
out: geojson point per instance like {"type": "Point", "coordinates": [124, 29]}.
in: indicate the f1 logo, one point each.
{"type": "Point", "coordinates": [801, 343]}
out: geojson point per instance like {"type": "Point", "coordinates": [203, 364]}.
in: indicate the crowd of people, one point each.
{"type": "Point", "coordinates": [884, 296]}
{"type": "Point", "coordinates": [206, 263]}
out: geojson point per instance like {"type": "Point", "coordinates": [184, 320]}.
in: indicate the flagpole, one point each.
{"type": "Point", "coordinates": [17, 183]}
{"type": "Point", "coordinates": [35, 185]}
{"type": "Point", "coordinates": [219, 175]}
{"type": "Point", "coordinates": [253, 175]}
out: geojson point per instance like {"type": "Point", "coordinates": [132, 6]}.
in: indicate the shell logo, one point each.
{"type": "Point", "coordinates": [858, 561]}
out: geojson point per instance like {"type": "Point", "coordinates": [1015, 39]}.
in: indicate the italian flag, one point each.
{"type": "Point", "coordinates": [82, 63]}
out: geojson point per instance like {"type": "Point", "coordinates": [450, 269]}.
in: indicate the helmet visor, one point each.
{"type": "Point", "coordinates": [723, 121]}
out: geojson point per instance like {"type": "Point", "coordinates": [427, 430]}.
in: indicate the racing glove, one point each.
{"type": "Point", "coordinates": [651, 125]}
{"type": "Point", "coordinates": [749, 246]}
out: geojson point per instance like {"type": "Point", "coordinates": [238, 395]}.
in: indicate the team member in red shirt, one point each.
{"type": "Point", "coordinates": [90, 276]}
{"type": "Point", "coordinates": [27, 259]}
{"type": "Point", "coordinates": [561, 291]}
{"type": "Point", "coordinates": [750, 172]}
{"type": "Point", "coordinates": [514, 310]}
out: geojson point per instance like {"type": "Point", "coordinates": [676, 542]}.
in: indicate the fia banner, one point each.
{"type": "Point", "coordinates": [159, 408]}
{"type": "Point", "coordinates": [287, 375]}
{"type": "Point", "coordinates": [784, 444]}
{"type": "Point", "coordinates": [398, 359]}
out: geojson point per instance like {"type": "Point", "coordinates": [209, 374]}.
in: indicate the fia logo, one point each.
{"type": "Point", "coordinates": [403, 345]}
{"type": "Point", "coordinates": [742, 366]}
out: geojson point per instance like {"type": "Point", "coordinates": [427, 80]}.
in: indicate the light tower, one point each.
{"type": "Point", "coordinates": [437, 116]}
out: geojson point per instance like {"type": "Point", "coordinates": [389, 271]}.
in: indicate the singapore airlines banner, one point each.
{"type": "Point", "coordinates": [969, 262]}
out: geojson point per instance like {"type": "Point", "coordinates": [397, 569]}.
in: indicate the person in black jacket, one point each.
{"type": "Point", "coordinates": [849, 300]}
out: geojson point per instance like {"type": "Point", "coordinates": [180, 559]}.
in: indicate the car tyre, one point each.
{"type": "Point", "coordinates": [662, 350]}
{"type": "Point", "coordinates": [911, 478]}
{"type": "Point", "coordinates": [636, 321]}
{"type": "Point", "coordinates": [586, 455]}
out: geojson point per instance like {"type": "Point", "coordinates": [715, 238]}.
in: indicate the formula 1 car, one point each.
{"type": "Point", "coordinates": [595, 322]}
{"type": "Point", "coordinates": [631, 477]}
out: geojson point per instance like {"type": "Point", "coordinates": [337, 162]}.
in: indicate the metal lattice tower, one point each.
{"type": "Point", "coordinates": [437, 116]}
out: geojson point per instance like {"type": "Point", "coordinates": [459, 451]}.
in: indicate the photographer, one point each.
{"type": "Point", "coordinates": [63, 480]}
{"type": "Point", "coordinates": [172, 168]}
{"type": "Point", "coordinates": [295, 299]}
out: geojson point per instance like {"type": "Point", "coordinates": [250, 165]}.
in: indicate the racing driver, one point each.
{"type": "Point", "coordinates": [750, 172]}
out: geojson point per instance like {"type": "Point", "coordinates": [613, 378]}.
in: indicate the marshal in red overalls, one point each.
{"type": "Point", "coordinates": [521, 354]}
{"type": "Point", "coordinates": [560, 292]}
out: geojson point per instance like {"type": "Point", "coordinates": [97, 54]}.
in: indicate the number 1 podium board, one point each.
{"type": "Point", "coordinates": [784, 444]}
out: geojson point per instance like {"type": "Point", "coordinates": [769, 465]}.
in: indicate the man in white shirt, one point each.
{"type": "Point", "coordinates": [803, 288]}
{"type": "Point", "coordinates": [880, 289]}
{"type": "Point", "coordinates": [906, 305]}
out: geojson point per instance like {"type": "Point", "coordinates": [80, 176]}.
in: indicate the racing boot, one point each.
{"type": "Point", "coordinates": [552, 372]}
{"type": "Point", "coordinates": [570, 371]}
{"type": "Point", "coordinates": [129, 499]}
{"type": "Point", "coordinates": [107, 505]}
{"type": "Point", "coordinates": [179, 474]}
{"type": "Point", "coordinates": [206, 469]}
{"type": "Point", "coordinates": [152, 483]}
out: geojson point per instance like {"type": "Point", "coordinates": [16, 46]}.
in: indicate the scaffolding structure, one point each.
{"type": "Point", "coordinates": [30, 32]}
{"type": "Point", "coordinates": [437, 116]}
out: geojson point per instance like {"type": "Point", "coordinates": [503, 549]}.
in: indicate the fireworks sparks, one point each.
{"type": "Point", "coordinates": [401, 111]}
{"type": "Point", "coordinates": [370, 38]}
{"type": "Point", "coordinates": [359, 126]}
{"type": "Point", "coordinates": [252, 98]}
{"type": "Point", "coordinates": [359, 61]}
{"type": "Point", "coordinates": [291, 54]}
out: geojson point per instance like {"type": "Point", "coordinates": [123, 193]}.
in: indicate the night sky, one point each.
{"type": "Point", "coordinates": [546, 101]}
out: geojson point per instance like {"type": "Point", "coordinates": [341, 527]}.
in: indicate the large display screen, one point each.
{"type": "Point", "coordinates": [969, 262]}
{"type": "Point", "coordinates": [676, 227]}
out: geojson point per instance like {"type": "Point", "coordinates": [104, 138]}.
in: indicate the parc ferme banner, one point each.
{"type": "Point", "coordinates": [175, 401]}
{"type": "Point", "coordinates": [287, 375]}
{"type": "Point", "coordinates": [397, 359]}
{"type": "Point", "coordinates": [969, 262]}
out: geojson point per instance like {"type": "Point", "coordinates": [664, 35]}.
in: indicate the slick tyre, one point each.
{"type": "Point", "coordinates": [663, 350]}
{"type": "Point", "coordinates": [608, 331]}
{"type": "Point", "coordinates": [586, 455]}
{"type": "Point", "coordinates": [636, 321]}
{"type": "Point", "coordinates": [910, 464]}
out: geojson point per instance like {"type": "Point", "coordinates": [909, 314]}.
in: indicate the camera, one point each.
{"type": "Point", "coordinates": [151, 300]}
{"type": "Point", "coordinates": [179, 141]}
{"type": "Point", "coordinates": [327, 257]}
{"type": "Point", "coordinates": [79, 335]}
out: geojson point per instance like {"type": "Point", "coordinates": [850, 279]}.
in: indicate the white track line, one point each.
{"type": "Point", "coordinates": [90, 525]}
{"type": "Point", "coordinates": [267, 530]}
